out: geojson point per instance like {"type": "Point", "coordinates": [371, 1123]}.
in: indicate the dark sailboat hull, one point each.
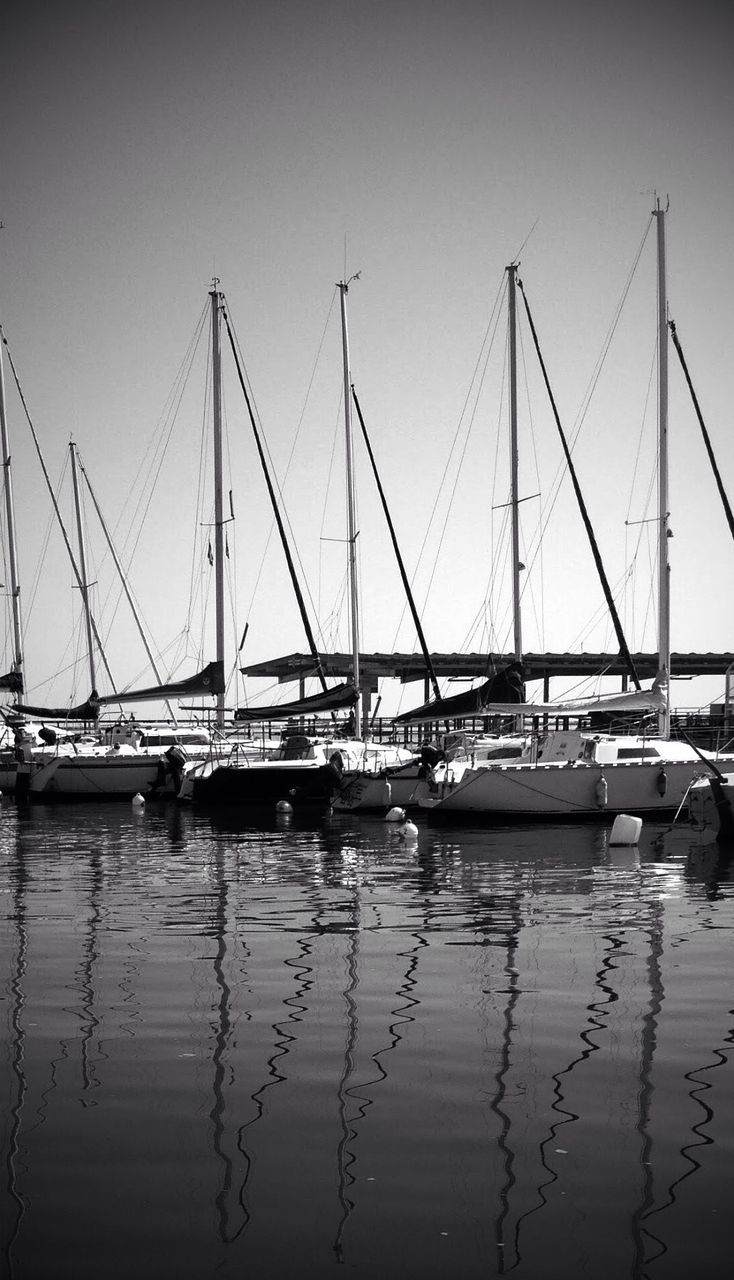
{"type": "Point", "coordinates": [264, 785]}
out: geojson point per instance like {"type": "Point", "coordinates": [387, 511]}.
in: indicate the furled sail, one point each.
{"type": "Point", "coordinates": [341, 696]}
{"type": "Point", "coordinates": [12, 681]}
{"type": "Point", "coordinates": [208, 681]}
{"type": "Point", "coordinates": [483, 704]}
{"type": "Point", "coordinates": [653, 699]}
{"type": "Point", "coordinates": [88, 710]}
{"type": "Point", "coordinates": [505, 687]}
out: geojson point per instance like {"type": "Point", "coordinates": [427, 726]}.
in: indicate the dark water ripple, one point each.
{"type": "Point", "coordinates": [284, 1050]}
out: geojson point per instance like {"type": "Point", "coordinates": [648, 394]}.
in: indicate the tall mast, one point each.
{"type": "Point", "coordinates": [663, 512]}
{"type": "Point", "coordinates": [55, 505]}
{"type": "Point", "coordinates": [514, 496]}
{"type": "Point", "coordinates": [83, 583]}
{"type": "Point", "coordinates": [216, 298]}
{"type": "Point", "coordinates": [126, 587]}
{"type": "Point", "coordinates": [343, 287]}
{"type": "Point", "coordinates": [10, 519]}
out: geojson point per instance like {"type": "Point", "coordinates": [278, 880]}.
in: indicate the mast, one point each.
{"type": "Point", "coordinates": [393, 536]}
{"type": "Point", "coordinates": [10, 519]}
{"type": "Point", "coordinates": [125, 587]}
{"type": "Point", "coordinates": [514, 498]}
{"type": "Point", "coordinates": [623, 646]}
{"type": "Point", "coordinates": [57, 513]}
{"type": "Point", "coordinates": [216, 303]}
{"type": "Point", "coordinates": [277, 514]}
{"type": "Point", "coordinates": [663, 512]}
{"type": "Point", "coordinates": [83, 583]}
{"type": "Point", "coordinates": [343, 287]}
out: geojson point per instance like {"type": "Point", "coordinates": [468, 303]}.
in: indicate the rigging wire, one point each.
{"type": "Point", "coordinates": [475, 388]}
{"type": "Point", "coordinates": [277, 512]}
{"type": "Point", "coordinates": [499, 542]}
{"type": "Point", "coordinates": [623, 647]}
{"type": "Point", "coordinates": [704, 432]}
{"type": "Point", "coordinates": [146, 482]}
{"type": "Point", "coordinates": [396, 548]}
{"type": "Point", "coordinates": [157, 450]}
{"type": "Point", "coordinates": [601, 360]}
{"type": "Point", "coordinates": [555, 486]}
{"type": "Point", "coordinates": [643, 529]}
{"type": "Point", "coordinates": [535, 547]}
{"type": "Point", "coordinates": [469, 411]}
{"type": "Point", "coordinates": [322, 536]}
{"type": "Point", "coordinates": [528, 577]}
{"type": "Point", "coordinates": [280, 486]}
{"type": "Point", "coordinates": [49, 486]}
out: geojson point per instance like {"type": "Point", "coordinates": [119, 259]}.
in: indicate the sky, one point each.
{"type": "Point", "coordinates": [148, 148]}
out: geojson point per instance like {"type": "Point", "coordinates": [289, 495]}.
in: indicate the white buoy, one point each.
{"type": "Point", "coordinates": [408, 831]}
{"type": "Point", "coordinates": [395, 814]}
{"type": "Point", "coordinates": [284, 806]}
{"type": "Point", "coordinates": [138, 801]}
{"type": "Point", "coordinates": [626, 829]}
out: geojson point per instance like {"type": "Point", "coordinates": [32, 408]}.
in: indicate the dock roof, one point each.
{"type": "Point", "coordinates": [407, 667]}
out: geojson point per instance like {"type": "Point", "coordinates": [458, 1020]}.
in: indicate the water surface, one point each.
{"type": "Point", "coordinates": [286, 1051]}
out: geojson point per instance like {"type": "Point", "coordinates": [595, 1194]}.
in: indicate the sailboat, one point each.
{"type": "Point", "coordinates": [404, 785]}
{"type": "Point", "coordinates": [78, 761]}
{"type": "Point", "coordinates": [576, 774]}
{"type": "Point", "coordinates": [302, 771]}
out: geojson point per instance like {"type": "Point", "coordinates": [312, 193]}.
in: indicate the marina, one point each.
{"type": "Point", "coordinates": [367, 668]}
{"type": "Point", "coordinates": [317, 1047]}
{"type": "Point", "coordinates": [541, 774]}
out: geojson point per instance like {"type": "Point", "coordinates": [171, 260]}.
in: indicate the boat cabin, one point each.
{"type": "Point", "coordinates": [600, 748]}
{"type": "Point", "coordinates": [130, 733]}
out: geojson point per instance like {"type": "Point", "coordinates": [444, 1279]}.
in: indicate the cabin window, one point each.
{"type": "Point", "coordinates": [637, 753]}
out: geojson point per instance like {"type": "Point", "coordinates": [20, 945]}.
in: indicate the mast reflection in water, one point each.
{"type": "Point", "coordinates": [291, 1050]}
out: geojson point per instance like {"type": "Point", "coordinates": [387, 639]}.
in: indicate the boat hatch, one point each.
{"type": "Point", "coordinates": [296, 747]}
{"type": "Point", "coordinates": [564, 746]}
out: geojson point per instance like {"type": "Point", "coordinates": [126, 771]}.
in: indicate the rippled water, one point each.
{"type": "Point", "coordinates": [233, 1052]}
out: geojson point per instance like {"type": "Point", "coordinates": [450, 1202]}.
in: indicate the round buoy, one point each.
{"type": "Point", "coordinates": [138, 801]}
{"type": "Point", "coordinates": [626, 829]}
{"type": "Point", "coordinates": [408, 831]}
{"type": "Point", "coordinates": [284, 806]}
{"type": "Point", "coordinates": [395, 815]}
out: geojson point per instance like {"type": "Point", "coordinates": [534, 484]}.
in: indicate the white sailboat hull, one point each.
{"type": "Point", "coordinates": [96, 772]}
{"type": "Point", "coordinates": [575, 789]}
{"type": "Point", "coordinates": [370, 792]}
{"type": "Point", "coordinates": [94, 776]}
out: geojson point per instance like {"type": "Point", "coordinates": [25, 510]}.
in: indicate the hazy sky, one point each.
{"type": "Point", "coordinates": [147, 146]}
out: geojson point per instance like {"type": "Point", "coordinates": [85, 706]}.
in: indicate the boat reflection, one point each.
{"type": "Point", "coordinates": [524, 1035]}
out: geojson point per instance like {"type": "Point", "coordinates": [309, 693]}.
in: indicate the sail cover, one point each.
{"type": "Point", "coordinates": [505, 687]}
{"type": "Point", "coordinates": [653, 699]}
{"type": "Point", "coordinates": [208, 681]}
{"type": "Point", "coordinates": [88, 710]}
{"type": "Point", "coordinates": [342, 695]}
{"type": "Point", "coordinates": [13, 681]}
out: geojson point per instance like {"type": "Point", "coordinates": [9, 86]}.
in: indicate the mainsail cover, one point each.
{"type": "Point", "coordinates": [88, 710]}
{"type": "Point", "coordinates": [208, 681]}
{"type": "Point", "coordinates": [653, 699]}
{"type": "Point", "coordinates": [342, 695]}
{"type": "Point", "coordinates": [506, 687]}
